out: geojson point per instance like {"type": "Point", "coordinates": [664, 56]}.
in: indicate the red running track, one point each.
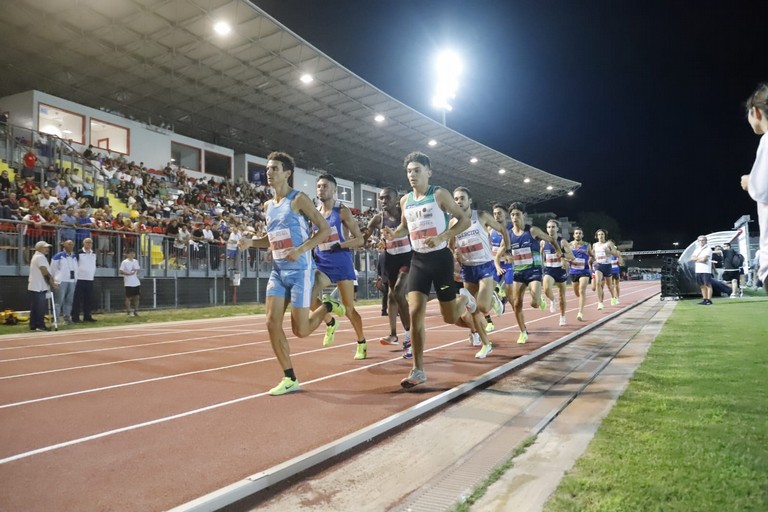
{"type": "Point", "coordinates": [151, 416]}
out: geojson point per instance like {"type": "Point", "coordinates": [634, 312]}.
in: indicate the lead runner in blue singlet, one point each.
{"type": "Point", "coordinates": [425, 217]}
{"type": "Point", "coordinates": [334, 261]}
{"type": "Point", "coordinates": [288, 215]}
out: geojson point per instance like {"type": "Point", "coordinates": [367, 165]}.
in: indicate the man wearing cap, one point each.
{"type": "Point", "coordinates": [38, 284]}
{"type": "Point", "coordinates": [64, 271]}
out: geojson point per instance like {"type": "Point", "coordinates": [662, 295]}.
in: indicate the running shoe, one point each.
{"type": "Point", "coordinates": [502, 293]}
{"type": "Point", "coordinates": [600, 306]}
{"type": "Point", "coordinates": [474, 339]}
{"type": "Point", "coordinates": [408, 353]}
{"type": "Point", "coordinates": [618, 301]}
{"type": "Point", "coordinates": [287, 385]}
{"type": "Point", "coordinates": [562, 320]}
{"type": "Point", "coordinates": [523, 337]}
{"type": "Point", "coordinates": [471, 304]}
{"type": "Point", "coordinates": [497, 305]}
{"type": "Point", "coordinates": [407, 340]}
{"type": "Point", "coordinates": [542, 303]}
{"type": "Point", "coordinates": [330, 333]}
{"type": "Point", "coordinates": [362, 351]}
{"type": "Point", "coordinates": [389, 340]}
{"type": "Point", "coordinates": [415, 378]}
{"type": "Point", "coordinates": [580, 316]}
{"type": "Point", "coordinates": [483, 352]}
{"type": "Point", "coordinates": [489, 328]}
{"type": "Point", "coordinates": [552, 306]}
{"type": "Point", "coordinates": [337, 308]}
{"type": "Point", "coordinates": [614, 301]}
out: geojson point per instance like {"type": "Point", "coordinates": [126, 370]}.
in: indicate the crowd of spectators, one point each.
{"type": "Point", "coordinates": [162, 202]}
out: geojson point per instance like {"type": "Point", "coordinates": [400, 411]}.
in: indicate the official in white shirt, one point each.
{"type": "Point", "coordinates": [86, 271]}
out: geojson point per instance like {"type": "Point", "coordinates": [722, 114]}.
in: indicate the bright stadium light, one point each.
{"type": "Point", "coordinates": [570, 192]}
{"type": "Point", "coordinates": [306, 78]}
{"type": "Point", "coordinates": [527, 180]}
{"type": "Point", "coordinates": [449, 67]}
{"type": "Point", "coordinates": [502, 171]}
{"type": "Point", "coordinates": [473, 160]}
{"type": "Point", "coordinates": [432, 142]}
{"type": "Point", "coordinates": [379, 118]}
{"type": "Point", "coordinates": [222, 28]}
{"type": "Point", "coordinates": [550, 187]}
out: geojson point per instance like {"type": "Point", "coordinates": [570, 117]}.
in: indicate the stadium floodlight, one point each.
{"type": "Point", "coordinates": [502, 171]}
{"type": "Point", "coordinates": [306, 78]}
{"type": "Point", "coordinates": [379, 118]}
{"type": "Point", "coordinates": [550, 187]}
{"type": "Point", "coordinates": [570, 192]}
{"type": "Point", "coordinates": [449, 68]}
{"type": "Point", "coordinates": [527, 180]}
{"type": "Point", "coordinates": [432, 142]}
{"type": "Point", "coordinates": [473, 160]}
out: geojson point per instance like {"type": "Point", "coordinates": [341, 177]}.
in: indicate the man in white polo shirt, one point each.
{"type": "Point", "coordinates": [86, 271]}
{"type": "Point", "coordinates": [39, 283]}
{"type": "Point", "coordinates": [129, 269]}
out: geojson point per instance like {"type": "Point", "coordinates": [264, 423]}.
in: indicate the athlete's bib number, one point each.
{"type": "Point", "coordinates": [398, 245]}
{"type": "Point", "coordinates": [332, 239]}
{"type": "Point", "coordinates": [551, 259]}
{"type": "Point", "coordinates": [578, 264]}
{"type": "Point", "coordinates": [280, 242]}
{"type": "Point", "coordinates": [522, 256]}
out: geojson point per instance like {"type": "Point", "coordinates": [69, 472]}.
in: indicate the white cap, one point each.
{"type": "Point", "coordinates": [41, 244]}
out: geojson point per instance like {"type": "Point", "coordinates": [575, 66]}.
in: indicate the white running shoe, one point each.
{"type": "Point", "coordinates": [552, 306]}
{"type": "Point", "coordinates": [483, 352]}
{"type": "Point", "coordinates": [474, 339]}
{"type": "Point", "coordinates": [471, 304]}
{"type": "Point", "coordinates": [497, 305]}
{"type": "Point", "coordinates": [562, 320]}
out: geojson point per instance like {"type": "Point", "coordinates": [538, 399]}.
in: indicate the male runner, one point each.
{"type": "Point", "coordinates": [473, 251]}
{"type": "Point", "coordinates": [580, 272]}
{"type": "Point", "coordinates": [526, 258]}
{"type": "Point", "coordinates": [288, 215]}
{"type": "Point", "coordinates": [554, 272]}
{"type": "Point", "coordinates": [397, 264]}
{"type": "Point", "coordinates": [602, 251]}
{"type": "Point", "coordinates": [425, 217]}
{"type": "Point", "coordinates": [334, 261]}
{"type": "Point", "coordinates": [506, 272]}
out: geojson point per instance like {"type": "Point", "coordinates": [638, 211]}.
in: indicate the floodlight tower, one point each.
{"type": "Point", "coordinates": [448, 66]}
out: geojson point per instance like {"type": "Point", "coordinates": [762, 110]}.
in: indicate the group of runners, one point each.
{"type": "Point", "coordinates": [435, 245]}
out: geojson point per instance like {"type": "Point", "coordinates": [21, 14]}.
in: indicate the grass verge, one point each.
{"type": "Point", "coordinates": [691, 431]}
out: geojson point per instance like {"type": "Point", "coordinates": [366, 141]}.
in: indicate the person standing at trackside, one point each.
{"type": "Point", "coordinates": [291, 241]}
{"type": "Point", "coordinates": [478, 268]}
{"type": "Point", "coordinates": [40, 281]}
{"type": "Point", "coordinates": [526, 258]}
{"type": "Point", "coordinates": [425, 217]}
{"type": "Point", "coordinates": [396, 265]}
{"type": "Point", "coordinates": [129, 269]}
{"type": "Point", "coordinates": [333, 258]}
{"type": "Point", "coordinates": [86, 271]}
{"type": "Point", "coordinates": [554, 272]}
{"type": "Point", "coordinates": [64, 271]}
{"type": "Point", "coordinates": [702, 258]}
{"type": "Point", "coordinates": [602, 250]}
{"type": "Point", "coordinates": [732, 263]}
{"type": "Point", "coordinates": [756, 182]}
{"type": "Point", "coordinates": [579, 269]}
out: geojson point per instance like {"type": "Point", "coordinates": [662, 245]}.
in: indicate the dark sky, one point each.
{"type": "Point", "coordinates": [640, 101]}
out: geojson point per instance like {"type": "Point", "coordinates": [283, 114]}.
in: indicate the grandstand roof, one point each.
{"type": "Point", "coordinates": [159, 61]}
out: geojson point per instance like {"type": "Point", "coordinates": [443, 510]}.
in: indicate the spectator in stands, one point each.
{"type": "Point", "coordinates": [30, 189]}
{"type": "Point", "coordinates": [69, 220]}
{"type": "Point", "coordinates": [46, 200]}
{"type": "Point", "coordinates": [62, 191]}
{"type": "Point", "coordinates": [5, 183]}
{"type": "Point", "coordinates": [88, 188]}
{"type": "Point", "coordinates": [10, 207]}
{"type": "Point", "coordinates": [84, 223]}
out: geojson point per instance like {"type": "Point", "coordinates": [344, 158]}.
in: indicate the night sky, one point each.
{"type": "Point", "coordinates": [640, 101]}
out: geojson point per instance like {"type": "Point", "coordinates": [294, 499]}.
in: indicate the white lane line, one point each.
{"type": "Point", "coordinates": [121, 347]}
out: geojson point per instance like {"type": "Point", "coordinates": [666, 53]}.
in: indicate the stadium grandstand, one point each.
{"type": "Point", "coordinates": [154, 69]}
